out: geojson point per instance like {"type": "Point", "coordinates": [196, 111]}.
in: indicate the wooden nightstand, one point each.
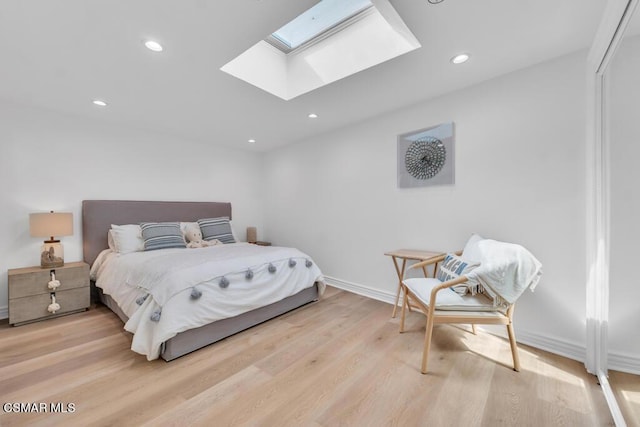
{"type": "Point", "coordinates": [30, 296]}
{"type": "Point", "coordinates": [260, 243]}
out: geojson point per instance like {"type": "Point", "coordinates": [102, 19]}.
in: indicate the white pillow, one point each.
{"type": "Point", "coordinates": [453, 267]}
{"type": "Point", "coordinates": [110, 242]}
{"type": "Point", "coordinates": [233, 232]}
{"type": "Point", "coordinates": [127, 238]}
{"type": "Point", "coordinates": [471, 251]}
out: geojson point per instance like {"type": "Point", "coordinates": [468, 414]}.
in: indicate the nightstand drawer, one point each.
{"type": "Point", "coordinates": [34, 281]}
{"type": "Point", "coordinates": [35, 307]}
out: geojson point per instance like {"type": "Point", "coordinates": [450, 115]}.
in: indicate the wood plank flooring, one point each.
{"type": "Point", "coordinates": [337, 362]}
{"type": "Point", "coordinates": [626, 387]}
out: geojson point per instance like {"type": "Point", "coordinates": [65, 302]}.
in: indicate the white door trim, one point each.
{"type": "Point", "coordinates": [614, 22]}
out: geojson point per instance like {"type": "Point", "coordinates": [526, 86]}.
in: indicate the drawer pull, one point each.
{"type": "Point", "coordinates": [53, 283]}
{"type": "Point", "coordinates": [54, 306]}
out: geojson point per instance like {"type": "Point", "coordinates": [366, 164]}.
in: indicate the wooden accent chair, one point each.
{"type": "Point", "coordinates": [441, 305]}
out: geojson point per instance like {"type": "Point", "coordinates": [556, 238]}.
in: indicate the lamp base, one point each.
{"type": "Point", "coordinates": [252, 234]}
{"type": "Point", "coordinates": [51, 254]}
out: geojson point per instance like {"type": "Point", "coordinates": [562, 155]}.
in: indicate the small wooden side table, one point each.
{"type": "Point", "coordinates": [413, 255]}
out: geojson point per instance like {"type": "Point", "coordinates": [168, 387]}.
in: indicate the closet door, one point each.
{"type": "Point", "coordinates": [623, 77]}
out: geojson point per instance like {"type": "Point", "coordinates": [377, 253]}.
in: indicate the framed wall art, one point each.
{"type": "Point", "coordinates": [426, 157]}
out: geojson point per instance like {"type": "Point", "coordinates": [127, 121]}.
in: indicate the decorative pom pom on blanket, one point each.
{"type": "Point", "coordinates": [292, 262]}
{"type": "Point", "coordinates": [224, 282]}
{"type": "Point", "coordinates": [196, 293]}
{"type": "Point", "coordinates": [142, 299]}
{"type": "Point", "coordinates": [155, 316]}
{"type": "Point", "coordinates": [272, 268]}
{"type": "Point", "coordinates": [308, 263]}
{"type": "Point", "coordinates": [249, 274]}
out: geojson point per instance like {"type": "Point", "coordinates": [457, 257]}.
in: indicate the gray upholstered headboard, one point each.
{"type": "Point", "coordinates": [98, 215]}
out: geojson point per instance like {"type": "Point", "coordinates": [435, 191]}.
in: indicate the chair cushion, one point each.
{"type": "Point", "coordinates": [448, 299]}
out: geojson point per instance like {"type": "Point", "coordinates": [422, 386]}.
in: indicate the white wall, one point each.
{"type": "Point", "coordinates": [52, 161]}
{"type": "Point", "coordinates": [520, 177]}
{"type": "Point", "coordinates": [624, 315]}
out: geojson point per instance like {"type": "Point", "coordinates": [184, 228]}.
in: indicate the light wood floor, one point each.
{"type": "Point", "coordinates": [627, 390]}
{"type": "Point", "coordinates": [340, 361]}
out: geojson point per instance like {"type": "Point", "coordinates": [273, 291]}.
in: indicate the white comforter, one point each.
{"type": "Point", "coordinates": [168, 278]}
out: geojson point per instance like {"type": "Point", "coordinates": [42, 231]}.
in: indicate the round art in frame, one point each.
{"type": "Point", "coordinates": [425, 157]}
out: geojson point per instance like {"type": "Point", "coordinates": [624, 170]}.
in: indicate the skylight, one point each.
{"type": "Point", "coordinates": [315, 22]}
{"type": "Point", "coordinates": [332, 40]}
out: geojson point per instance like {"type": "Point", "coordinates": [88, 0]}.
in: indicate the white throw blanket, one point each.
{"type": "Point", "coordinates": [169, 274]}
{"type": "Point", "coordinates": [506, 269]}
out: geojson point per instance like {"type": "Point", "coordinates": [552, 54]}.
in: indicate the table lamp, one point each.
{"type": "Point", "coordinates": [252, 234]}
{"type": "Point", "coordinates": [50, 224]}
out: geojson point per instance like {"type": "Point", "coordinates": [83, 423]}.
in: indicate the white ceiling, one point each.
{"type": "Point", "coordinates": [61, 54]}
{"type": "Point", "coordinates": [634, 24]}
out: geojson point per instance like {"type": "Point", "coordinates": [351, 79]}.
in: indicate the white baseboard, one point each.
{"type": "Point", "coordinates": [560, 346]}
{"type": "Point", "coordinates": [616, 361]}
{"type": "Point", "coordinates": [4, 312]}
{"type": "Point", "coordinates": [624, 362]}
{"type": "Point", "coordinates": [366, 291]}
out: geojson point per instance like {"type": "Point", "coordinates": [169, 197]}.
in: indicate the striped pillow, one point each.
{"type": "Point", "coordinates": [216, 228]}
{"type": "Point", "coordinates": [162, 235]}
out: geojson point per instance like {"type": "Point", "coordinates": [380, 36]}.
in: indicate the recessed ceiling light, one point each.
{"type": "Point", "coordinates": [459, 59]}
{"type": "Point", "coordinates": [99, 103]}
{"type": "Point", "coordinates": [313, 116]}
{"type": "Point", "coordinates": [153, 45]}
{"type": "Point", "coordinates": [252, 141]}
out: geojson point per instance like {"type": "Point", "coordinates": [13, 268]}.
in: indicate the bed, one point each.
{"type": "Point", "coordinates": [292, 268]}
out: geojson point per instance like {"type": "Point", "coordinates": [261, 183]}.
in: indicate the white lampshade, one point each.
{"type": "Point", "coordinates": [51, 224]}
